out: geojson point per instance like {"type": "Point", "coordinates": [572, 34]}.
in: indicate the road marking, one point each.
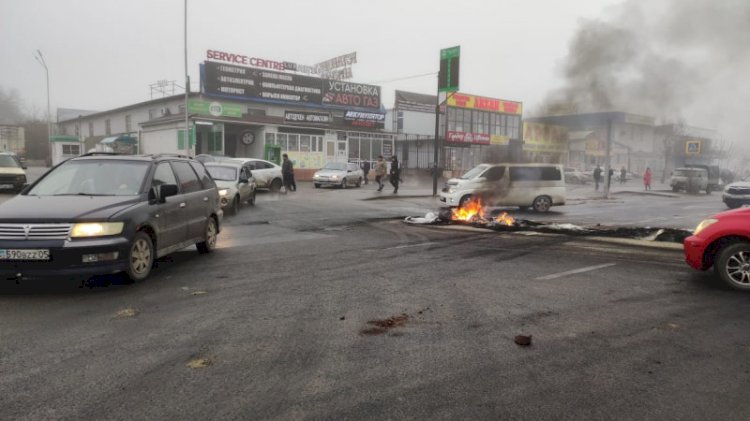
{"type": "Point", "coordinates": [574, 271]}
{"type": "Point", "coordinates": [409, 245]}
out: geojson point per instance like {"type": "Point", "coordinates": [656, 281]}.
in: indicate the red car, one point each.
{"type": "Point", "coordinates": [723, 241]}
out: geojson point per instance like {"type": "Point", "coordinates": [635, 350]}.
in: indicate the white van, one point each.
{"type": "Point", "coordinates": [539, 186]}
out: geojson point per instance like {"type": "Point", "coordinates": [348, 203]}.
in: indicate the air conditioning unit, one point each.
{"type": "Point", "coordinates": [164, 111]}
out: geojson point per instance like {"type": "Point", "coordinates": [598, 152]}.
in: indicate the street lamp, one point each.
{"type": "Point", "coordinates": [40, 58]}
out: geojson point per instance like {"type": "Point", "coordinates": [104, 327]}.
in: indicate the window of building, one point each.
{"type": "Point", "coordinates": [78, 129]}
{"type": "Point", "coordinates": [107, 128]}
{"type": "Point", "coordinates": [293, 143]}
{"type": "Point", "coordinates": [91, 128]}
{"type": "Point", "coordinates": [399, 121]}
{"type": "Point", "coordinates": [353, 147]}
{"type": "Point", "coordinates": [304, 143]}
{"type": "Point", "coordinates": [281, 140]}
{"type": "Point", "coordinates": [71, 149]}
{"type": "Point", "coordinates": [270, 138]}
{"type": "Point", "coordinates": [128, 122]}
{"type": "Point", "coordinates": [152, 114]}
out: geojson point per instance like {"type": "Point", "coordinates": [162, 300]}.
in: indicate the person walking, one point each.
{"type": "Point", "coordinates": [610, 173]}
{"type": "Point", "coordinates": [287, 173]}
{"type": "Point", "coordinates": [380, 170]}
{"type": "Point", "coordinates": [366, 170]}
{"type": "Point", "coordinates": [623, 175]}
{"type": "Point", "coordinates": [597, 177]}
{"type": "Point", "coordinates": [647, 179]}
{"type": "Point", "coordinates": [395, 176]}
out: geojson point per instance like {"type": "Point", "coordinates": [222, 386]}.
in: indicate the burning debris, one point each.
{"type": "Point", "coordinates": [476, 214]}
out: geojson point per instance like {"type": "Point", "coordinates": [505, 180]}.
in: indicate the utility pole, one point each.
{"type": "Point", "coordinates": [436, 145]}
{"type": "Point", "coordinates": [40, 58]}
{"type": "Point", "coordinates": [186, 137]}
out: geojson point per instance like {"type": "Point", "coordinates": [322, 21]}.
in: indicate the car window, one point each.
{"type": "Point", "coordinates": [222, 172]}
{"type": "Point", "coordinates": [8, 161]}
{"type": "Point", "coordinates": [494, 173]}
{"type": "Point", "coordinates": [205, 178]}
{"type": "Point", "coordinates": [474, 172]}
{"type": "Point", "coordinates": [535, 174]}
{"type": "Point", "coordinates": [93, 177]}
{"type": "Point", "coordinates": [163, 175]}
{"type": "Point", "coordinates": [189, 181]}
{"type": "Point", "coordinates": [264, 165]}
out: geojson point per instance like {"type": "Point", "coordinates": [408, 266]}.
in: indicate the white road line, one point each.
{"type": "Point", "coordinates": [409, 245]}
{"type": "Point", "coordinates": [574, 271]}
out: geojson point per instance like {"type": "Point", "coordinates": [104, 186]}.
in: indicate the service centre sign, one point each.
{"type": "Point", "coordinates": [267, 85]}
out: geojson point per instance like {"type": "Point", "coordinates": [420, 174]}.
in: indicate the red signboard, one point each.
{"type": "Point", "coordinates": [470, 138]}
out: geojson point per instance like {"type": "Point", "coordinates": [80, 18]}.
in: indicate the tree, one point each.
{"type": "Point", "coordinates": [10, 107]}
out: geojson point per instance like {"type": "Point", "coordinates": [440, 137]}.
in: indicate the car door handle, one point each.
{"type": "Point", "coordinates": [183, 204]}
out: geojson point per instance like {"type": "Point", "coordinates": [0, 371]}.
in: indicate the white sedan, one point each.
{"type": "Point", "coordinates": [340, 174]}
{"type": "Point", "coordinates": [267, 174]}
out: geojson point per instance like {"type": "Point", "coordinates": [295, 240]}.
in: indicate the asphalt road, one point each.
{"type": "Point", "coordinates": [284, 321]}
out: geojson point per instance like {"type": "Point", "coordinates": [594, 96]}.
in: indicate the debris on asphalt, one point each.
{"type": "Point", "coordinates": [523, 340]}
{"type": "Point", "coordinates": [198, 293]}
{"type": "Point", "coordinates": [423, 310]}
{"type": "Point", "coordinates": [127, 312]}
{"type": "Point", "coordinates": [382, 326]}
{"type": "Point", "coordinates": [342, 318]}
{"type": "Point", "coordinates": [198, 363]}
{"type": "Point", "coordinates": [429, 218]}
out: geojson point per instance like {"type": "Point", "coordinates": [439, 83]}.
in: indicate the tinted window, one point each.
{"type": "Point", "coordinates": [163, 175]}
{"type": "Point", "coordinates": [188, 180]}
{"type": "Point", "coordinates": [494, 173]}
{"type": "Point", "coordinates": [535, 174]}
{"type": "Point", "coordinates": [206, 180]}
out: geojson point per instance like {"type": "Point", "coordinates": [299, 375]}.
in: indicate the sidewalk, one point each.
{"type": "Point", "coordinates": [587, 192]}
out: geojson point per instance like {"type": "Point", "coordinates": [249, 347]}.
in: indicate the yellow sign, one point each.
{"type": "Point", "coordinates": [693, 147]}
{"type": "Point", "coordinates": [487, 104]}
{"type": "Point", "coordinates": [303, 160]}
{"type": "Point", "coordinates": [497, 139]}
{"type": "Point", "coordinates": [545, 138]}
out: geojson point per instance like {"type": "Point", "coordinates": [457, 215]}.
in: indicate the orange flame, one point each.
{"type": "Point", "coordinates": [469, 211]}
{"type": "Point", "coordinates": [505, 219]}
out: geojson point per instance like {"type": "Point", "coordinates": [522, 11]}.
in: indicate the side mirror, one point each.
{"type": "Point", "coordinates": [166, 190]}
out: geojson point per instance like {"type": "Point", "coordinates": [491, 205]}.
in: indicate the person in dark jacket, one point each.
{"type": "Point", "coordinates": [366, 169]}
{"type": "Point", "coordinates": [597, 177]}
{"type": "Point", "coordinates": [287, 173]}
{"type": "Point", "coordinates": [395, 175]}
{"type": "Point", "coordinates": [609, 177]}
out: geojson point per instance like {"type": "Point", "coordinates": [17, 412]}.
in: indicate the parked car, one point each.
{"type": "Point", "coordinates": [267, 174]}
{"type": "Point", "coordinates": [738, 193]}
{"type": "Point", "coordinates": [340, 174]}
{"type": "Point", "coordinates": [235, 182]}
{"type": "Point", "coordinates": [104, 213]}
{"type": "Point", "coordinates": [714, 175]}
{"type": "Point", "coordinates": [12, 173]}
{"type": "Point", "coordinates": [576, 176]}
{"type": "Point", "coordinates": [691, 180]}
{"type": "Point", "coordinates": [723, 241]}
{"type": "Point", "coordinates": [539, 186]}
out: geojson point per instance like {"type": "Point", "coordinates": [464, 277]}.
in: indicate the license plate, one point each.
{"type": "Point", "coordinates": [24, 254]}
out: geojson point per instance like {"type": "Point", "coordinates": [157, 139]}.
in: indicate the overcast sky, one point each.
{"type": "Point", "coordinates": [104, 53]}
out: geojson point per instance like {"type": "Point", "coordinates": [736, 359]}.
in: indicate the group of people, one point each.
{"type": "Point", "coordinates": [623, 177]}
{"type": "Point", "coordinates": [381, 169]}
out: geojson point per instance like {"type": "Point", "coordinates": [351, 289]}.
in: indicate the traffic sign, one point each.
{"type": "Point", "coordinates": [448, 76]}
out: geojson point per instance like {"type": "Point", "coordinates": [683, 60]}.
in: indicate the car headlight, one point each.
{"type": "Point", "coordinates": [96, 229]}
{"type": "Point", "coordinates": [704, 224]}
{"type": "Point", "coordinates": [223, 192]}
{"type": "Point", "coordinates": [334, 177]}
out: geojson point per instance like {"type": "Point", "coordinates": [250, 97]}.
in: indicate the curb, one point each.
{"type": "Point", "coordinates": [391, 196]}
{"type": "Point", "coordinates": [643, 193]}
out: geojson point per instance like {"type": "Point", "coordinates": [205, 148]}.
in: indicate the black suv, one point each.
{"type": "Point", "coordinates": [104, 213]}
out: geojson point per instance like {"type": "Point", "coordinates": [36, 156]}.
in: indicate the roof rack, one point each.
{"type": "Point", "coordinates": [173, 155]}
{"type": "Point", "coordinates": [101, 153]}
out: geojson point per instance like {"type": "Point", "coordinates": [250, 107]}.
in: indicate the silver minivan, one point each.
{"type": "Point", "coordinates": [539, 186]}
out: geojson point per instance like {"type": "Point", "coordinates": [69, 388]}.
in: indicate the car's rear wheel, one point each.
{"type": "Point", "coordinates": [733, 265]}
{"type": "Point", "coordinates": [542, 204]}
{"type": "Point", "coordinates": [212, 231]}
{"type": "Point", "coordinates": [359, 182]}
{"type": "Point", "coordinates": [141, 257]}
{"type": "Point", "coordinates": [234, 209]}
{"type": "Point", "coordinates": [732, 205]}
{"type": "Point", "coordinates": [343, 183]}
{"type": "Point", "coordinates": [275, 185]}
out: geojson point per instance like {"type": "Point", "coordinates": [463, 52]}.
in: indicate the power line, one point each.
{"type": "Point", "coordinates": [407, 77]}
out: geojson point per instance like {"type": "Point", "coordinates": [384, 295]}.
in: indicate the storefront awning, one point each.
{"type": "Point", "coordinates": [129, 140]}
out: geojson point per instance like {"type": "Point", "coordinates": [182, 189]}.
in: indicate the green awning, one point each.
{"type": "Point", "coordinates": [123, 138]}
{"type": "Point", "coordinates": [64, 138]}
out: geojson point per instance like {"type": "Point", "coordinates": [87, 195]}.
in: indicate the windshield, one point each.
{"type": "Point", "coordinates": [222, 173]}
{"type": "Point", "coordinates": [8, 161]}
{"type": "Point", "coordinates": [474, 172]}
{"type": "Point", "coordinates": [96, 178]}
{"type": "Point", "coordinates": [341, 166]}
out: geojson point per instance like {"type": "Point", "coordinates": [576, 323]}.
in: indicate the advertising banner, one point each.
{"type": "Point", "coordinates": [306, 117]}
{"type": "Point", "coordinates": [214, 108]}
{"type": "Point", "coordinates": [259, 84]}
{"type": "Point", "coordinates": [468, 138]}
{"type": "Point", "coordinates": [544, 138]}
{"type": "Point", "coordinates": [361, 119]}
{"type": "Point", "coordinates": [487, 104]}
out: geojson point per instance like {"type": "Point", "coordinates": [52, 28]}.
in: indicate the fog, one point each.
{"type": "Point", "coordinates": [675, 60]}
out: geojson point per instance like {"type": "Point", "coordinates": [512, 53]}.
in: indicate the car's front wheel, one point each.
{"type": "Point", "coordinates": [141, 257]}
{"type": "Point", "coordinates": [343, 183]}
{"type": "Point", "coordinates": [733, 265]}
{"type": "Point", "coordinates": [542, 204]}
{"type": "Point", "coordinates": [359, 182]}
{"type": "Point", "coordinates": [317, 186]}
{"type": "Point", "coordinates": [212, 231]}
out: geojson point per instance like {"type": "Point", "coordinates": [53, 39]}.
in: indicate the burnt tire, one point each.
{"type": "Point", "coordinates": [140, 257]}
{"type": "Point", "coordinates": [465, 198]}
{"type": "Point", "coordinates": [733, 265]}
{"type": "Point", "coordinates": [275, 185]}
{"type": "Point", "coordinates": [209, 243]}
{"type": "Point", "coordinates": [542, 204]}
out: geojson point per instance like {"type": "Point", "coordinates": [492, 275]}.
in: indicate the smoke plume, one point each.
{"type": "Point", "coordinates": [675, 60]}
